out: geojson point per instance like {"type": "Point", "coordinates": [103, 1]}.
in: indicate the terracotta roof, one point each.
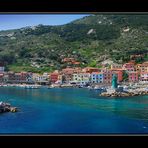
{"type": "Point", "coordinates": [117, 69]}
{"type": "Point", "coordinates": [90, 68]}
{"type": "Point", "coordinates": [128, 64]}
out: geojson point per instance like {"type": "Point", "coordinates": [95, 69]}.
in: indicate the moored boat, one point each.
{"type": "Point", "coordinates": [32, 86]}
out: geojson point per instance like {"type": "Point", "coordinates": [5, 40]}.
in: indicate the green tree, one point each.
{"type": "Point", "coordinates": [125, 76]}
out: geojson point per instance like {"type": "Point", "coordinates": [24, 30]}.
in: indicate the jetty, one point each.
{"type": "Point", "coordinates": [124, 94]}
{"type": "Point", "coordinates": [120, 91]}
{"type": "Point", "coordinates": [6, 107]}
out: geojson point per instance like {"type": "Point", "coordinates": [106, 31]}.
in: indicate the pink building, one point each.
{"type": "Point", "coordinates": [133, 76]}
{"type": "Point", "coordinates": [68, 74]}
{"type": "Point", "coordinates": [107, 75]}
{"type": "Point", "coordinates": [129, 67]}
{"type": "Point", "coordinates": [54, 77]}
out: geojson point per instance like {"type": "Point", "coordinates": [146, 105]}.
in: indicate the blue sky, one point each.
{"type": "Point", "coordinates": [11, 21]}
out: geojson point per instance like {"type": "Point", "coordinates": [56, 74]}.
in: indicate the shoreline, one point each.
{"type": "Point", "coordinates": [128, 91]}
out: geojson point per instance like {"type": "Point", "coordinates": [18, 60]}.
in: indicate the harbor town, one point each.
{"type": "Point", "coordinates": [73, 74]}
{"type": "Point", "coordinates": [130, 77]}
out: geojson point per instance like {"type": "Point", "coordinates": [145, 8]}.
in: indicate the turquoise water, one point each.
{"type": "Point", "coordinates": [72, 111]}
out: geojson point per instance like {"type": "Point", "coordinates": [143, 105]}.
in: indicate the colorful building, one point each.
{"type": "Point", "coordinates": [29, 78]}
{"type": "Point", "coordinates": [77, 70]}
{"type": "Point", "coordinates": [144, 76]}
{"type": "Point", "coordinates": [142, 67]}
{"type": "Point", "coordinates": [133, 76]}
{"type": "Point", "coordinates": [54, 77]}
{"type": "Point", "coordinates": [81, 78]}
{"type": "Point", "coordinates": [90, 69]}
{"type": "Point", "coordinates": [21, 77]}
{"type": "Point", "coordinates": [96, 77]}
{"type": "Point", "coordinates": [119, 73]}
{"type": "Point", "coordinates": [107, 75]}
{"type": "Point", "coordinates": [68, 73]}
{"type": "Point", "coordinates": [129, 67]}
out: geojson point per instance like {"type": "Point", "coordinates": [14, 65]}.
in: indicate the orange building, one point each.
{"type": "Point", "coordinates": [129, 66]}
{"type": "Point", "coordinates": [119, 73]}
{"type": "Point", "coordinates": [90, 69]}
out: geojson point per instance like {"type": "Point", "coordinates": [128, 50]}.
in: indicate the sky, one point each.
{"type": "Point", "coordinates": [11, 21]}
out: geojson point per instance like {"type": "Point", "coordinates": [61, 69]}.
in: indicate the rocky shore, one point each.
{"type": "Point", "coordinates": [129, 93]}
{"type": "Point", "coordinates": [6, 107]}
{"type": "Point", "coordinates": [124, 94]}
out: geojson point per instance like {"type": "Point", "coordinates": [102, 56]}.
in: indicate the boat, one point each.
{"type": "Point", "coordinates": [32, 86]}
{"type": "Point", "coordinates": [51, 86]}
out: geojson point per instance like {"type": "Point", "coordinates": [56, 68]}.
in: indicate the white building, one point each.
{"type": "Point", "coordinates": [40, 78]}
{"type": "Point", "coordinates": [81, 78]}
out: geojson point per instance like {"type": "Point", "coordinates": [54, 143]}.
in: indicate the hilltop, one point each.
{"type": "Point", "coordinates": [89, 41]}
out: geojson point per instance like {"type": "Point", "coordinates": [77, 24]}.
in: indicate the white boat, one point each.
{"type": "Point", "coordinates": [32, 86]}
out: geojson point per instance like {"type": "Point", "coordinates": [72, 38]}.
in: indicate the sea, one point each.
{"type": "Point", "coordinates": [78, 111]}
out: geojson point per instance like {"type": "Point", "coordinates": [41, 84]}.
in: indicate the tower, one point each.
{"type": "Point", "coordinates": [114, 81]}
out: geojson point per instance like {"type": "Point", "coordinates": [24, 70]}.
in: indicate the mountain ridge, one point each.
{"type": "Point", "coordinates": [89, 40]}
